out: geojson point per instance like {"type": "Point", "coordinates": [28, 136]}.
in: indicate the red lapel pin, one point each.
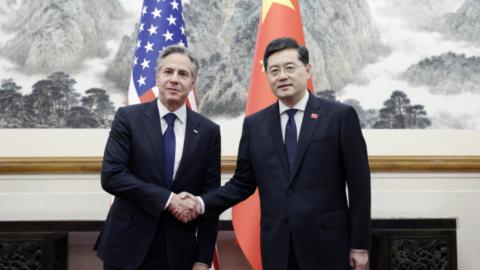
{"type": "Point", "coordinates": [314, 116]}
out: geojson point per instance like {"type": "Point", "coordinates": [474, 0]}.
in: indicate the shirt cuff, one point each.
{"type": "Point", "coordinates": [202, 264]}
{"type": "Point", "coordinates": [168, 201]}
{"type": "Point", "coordinates": [359, 250]}
{"type": "Point", "coordinates": [202, 204]}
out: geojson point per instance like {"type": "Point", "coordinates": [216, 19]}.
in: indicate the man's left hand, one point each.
{"type": "Point", "coordinates": [359, 259]}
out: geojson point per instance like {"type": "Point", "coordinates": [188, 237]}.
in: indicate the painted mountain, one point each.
{"type": "Point", "coordinates": [448, 74]}
{"type": "Point", "coordinates": [387, 58]}
{"type": "Point", "coordinates": [463, 24]}
{"type": "Point", "coordinates": [53, 35]}
{"type": "Point", "coordinates": [340, 34]}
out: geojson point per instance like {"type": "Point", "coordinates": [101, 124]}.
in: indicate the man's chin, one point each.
{"type": "Point", "coordinates": [175, 100]}
{"type": "Point", "coordinates": [172, 98]}
{"type": "Point", "coordinates": [283, 94]}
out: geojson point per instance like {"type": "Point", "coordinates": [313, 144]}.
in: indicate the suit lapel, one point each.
{"type": "Point", "coordinates": [151, 123]}
{"type": "Point", "coordinates": [276, 133]}
{"type": "Point", "coordinates": [189, 146]}
{"type": "Point", "coordinates": [310, 123]}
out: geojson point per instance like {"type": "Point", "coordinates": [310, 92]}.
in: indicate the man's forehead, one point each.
{"type": "Point", "coordinates": [177, 65]}
{"type": "Point", "coordinates": [176, 58]}
{"type": "Point", "coordinates": [284, 57]}
{"type": "Point", "coordinates": [282, 63]}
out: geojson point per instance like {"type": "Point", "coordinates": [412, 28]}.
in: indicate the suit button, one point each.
{"type": "Point", "coordinates": [285, 220]}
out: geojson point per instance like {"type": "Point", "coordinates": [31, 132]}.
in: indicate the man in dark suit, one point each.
{"type": "Point", "coordinates": [155, 151]}
{"type": "Point", "coordinates": [302, 152]}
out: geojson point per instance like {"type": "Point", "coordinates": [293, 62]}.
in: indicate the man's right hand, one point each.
{"type": "Point", "coordinates": [185, 206]}
{"type": "Point", "coordinates": [359, 259]}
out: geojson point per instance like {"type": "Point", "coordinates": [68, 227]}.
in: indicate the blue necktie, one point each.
{"type": "Point", "coordinates": [291, 137]}
{"type": "Point", "coordinates": [169, 149]}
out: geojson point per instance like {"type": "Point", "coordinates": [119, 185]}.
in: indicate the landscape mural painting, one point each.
{"type": "Point", "coordinates": [402, 64]}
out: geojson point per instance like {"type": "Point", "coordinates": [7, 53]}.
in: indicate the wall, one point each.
{"type": "Point", "coordinates": [91, 142]}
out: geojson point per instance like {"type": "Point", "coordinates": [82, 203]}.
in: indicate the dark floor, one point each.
{"type": "Point", "coordinates": [229, 253]}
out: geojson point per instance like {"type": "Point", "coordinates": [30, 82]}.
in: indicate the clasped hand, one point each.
{"type": "Point", "coordinates": [184, 207]}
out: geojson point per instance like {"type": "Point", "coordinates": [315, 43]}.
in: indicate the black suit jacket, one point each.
{"type": "Point", "coordinates": [132, 171]}
{"type": "Point", "coordinates": [310, 204]}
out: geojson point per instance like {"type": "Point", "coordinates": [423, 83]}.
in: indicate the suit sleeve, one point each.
{"type": "Point", "coordinates": [357, 172]}
{"type": "Point", "coordinates": [116, 177]}
{"type": "Point", "coordinates": [208, 225]}
{"type": "Point", "coordinates": [239, 187]}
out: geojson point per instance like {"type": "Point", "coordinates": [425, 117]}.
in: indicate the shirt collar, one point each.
{"type": "Point", "coordinates": [301, 105]}
{"type": "Point", "coordinates": [181, 112]}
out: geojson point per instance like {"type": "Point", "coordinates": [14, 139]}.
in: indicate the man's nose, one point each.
{"type": "Point", "coordinates": [174, 78]}
{"type": "Point", "coordinates": [282, 75]}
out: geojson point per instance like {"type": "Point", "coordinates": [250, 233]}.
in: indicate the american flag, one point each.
{"type": "Point", "coordinates": [161, 25]}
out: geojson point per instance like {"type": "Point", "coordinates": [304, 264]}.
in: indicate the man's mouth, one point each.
{"type": "Point", "coordinates": [173, 90]}
{"type": "Point", "coordinates": [283, 86]}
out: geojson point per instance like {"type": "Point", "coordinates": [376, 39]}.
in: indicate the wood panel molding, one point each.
{"type": "Point", "coordinates": [50, 165]}
{"type": "Point", "coordinates": [84, 165]}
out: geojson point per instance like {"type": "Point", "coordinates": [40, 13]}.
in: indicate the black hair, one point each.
{"type": "Point", "coordinates": [284, 43]}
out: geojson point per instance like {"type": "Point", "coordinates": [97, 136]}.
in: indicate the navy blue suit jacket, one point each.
{"type": "Point", "coordinates": [132, 171]}
{"type": "Point", "coordinates": [310, 204]}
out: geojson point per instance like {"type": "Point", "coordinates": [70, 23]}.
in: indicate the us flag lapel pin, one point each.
{"type": "Point", "coordinates": [314, 116]}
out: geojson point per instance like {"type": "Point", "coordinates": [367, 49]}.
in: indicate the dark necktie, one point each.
{"type": "Point", "coordinates": [169, 149]}
{"type": "Point", "coordinates": [291, 137]}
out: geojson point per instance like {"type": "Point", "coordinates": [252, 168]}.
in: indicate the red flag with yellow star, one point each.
{"type": "Point", "coordinates": [278, 18]}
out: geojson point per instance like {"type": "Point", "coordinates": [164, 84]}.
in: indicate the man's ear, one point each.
{"type": "Point", "coordinates": [192, 88]}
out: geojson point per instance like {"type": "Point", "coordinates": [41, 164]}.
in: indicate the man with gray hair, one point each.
{"type": "Point", "coordinates": [156, 151]}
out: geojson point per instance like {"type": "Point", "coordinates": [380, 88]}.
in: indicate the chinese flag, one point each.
{"type": "Point", "coordinates": [278, 18]}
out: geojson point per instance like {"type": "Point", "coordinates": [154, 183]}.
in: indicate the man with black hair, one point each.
{"type": "Point", "coordinates": [302, 153]}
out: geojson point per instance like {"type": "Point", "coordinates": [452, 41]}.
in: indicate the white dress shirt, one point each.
{"type": "Point", "coordinates": [300, 106]}
{"type": "Point", "coordinates": [179, 128]}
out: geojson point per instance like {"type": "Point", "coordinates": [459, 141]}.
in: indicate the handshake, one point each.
{"type": "Point", "coordinates": [185, 206]}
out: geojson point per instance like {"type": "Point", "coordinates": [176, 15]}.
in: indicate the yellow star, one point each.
{"type": "Point", "coordinates": [263, 67]}
{"type": "Point", "coordinates": [267, 4]}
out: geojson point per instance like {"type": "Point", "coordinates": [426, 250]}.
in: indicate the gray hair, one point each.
{"type": "Point", "coordinates": [181, 50]}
